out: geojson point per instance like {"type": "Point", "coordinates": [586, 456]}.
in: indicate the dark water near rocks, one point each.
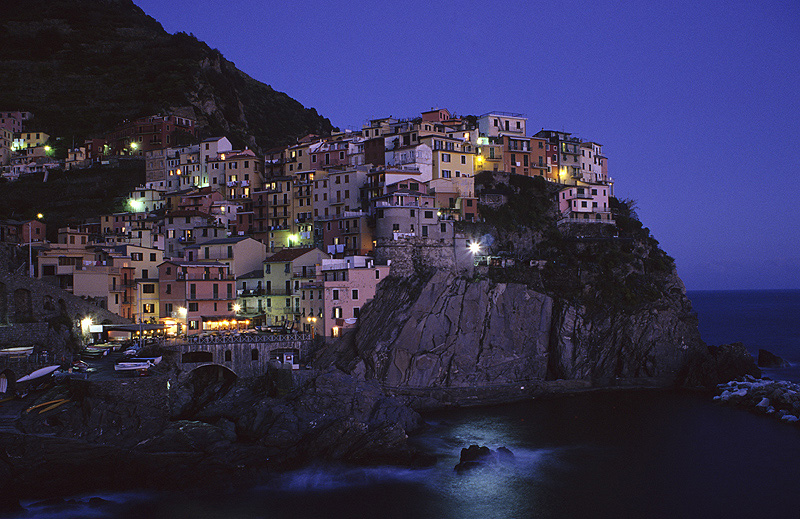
{"type": "Point", "coordinates": [768, 319]}
{"type": "Point", "coordinates": [622, 454]}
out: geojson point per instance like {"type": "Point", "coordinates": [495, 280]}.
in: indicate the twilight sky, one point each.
{"type": "Point", "coordinates": [697, 103]}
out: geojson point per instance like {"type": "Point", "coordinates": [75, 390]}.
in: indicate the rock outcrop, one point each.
{"type": "Point", "coordinates": [480, 456]}
{"type": "Point", "coordinates": [777, 398]}
{"type": "Point", "coordinates": [767, 359]}
{"type": "Point", "coordinates": [716, 364]}
{"type": "Point", "coordinates": [108, 439]}
{"type": "Point", "coordinates": [451, 332]}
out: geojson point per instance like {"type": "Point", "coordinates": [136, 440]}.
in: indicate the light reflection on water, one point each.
{"type": "Point", "coordinates": [601, 455]}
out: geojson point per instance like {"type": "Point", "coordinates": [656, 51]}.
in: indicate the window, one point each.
{"type": "Point", "coordinates": [428, 214]}
{"type": "Point", "coordinates": [149, 288]}
{"type": "Point", "coordinates": [337, 312]}
{"type": "Point", "coordinates": [168, 308]}
{"type": "Point", "coordinates": [148, 308]}
{"type": "Point", "coordinates": [445, 157]}
{"type": "Point", "coordinates": [355, 295]}
{"type": "Point", "coordinates": [356, 312]}
{"type": "Point", "coordinates": [152, 254]}
{"type": "Point", "coordinates": [266, 268]}
{"type": "Point", "coordinates": [335, 294]}
{"type": "Point", "coordinates": [193, 307]}
{"type": "Point", "coordinates": [463, 159]}
{"type": "Point", "coordinates": [227, 355]}
{"type": "Point", "coordinates": [168, 289]}
{"type": "Point", "coordinates": [254, 355]}
{"type": "Point", "coordinates": [424, 231]}
{"type": "Point", "coordinates": [444, 227]}
{"type": "Point", "coordinates": [287, 268]}
{"type": "Point", "coordinates": [446, 173]}
{"type": "Point", "coordinates": [377, 274]}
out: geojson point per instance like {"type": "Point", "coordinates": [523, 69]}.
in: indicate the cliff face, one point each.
{"type": "Point", "coordinates": [457, 333]}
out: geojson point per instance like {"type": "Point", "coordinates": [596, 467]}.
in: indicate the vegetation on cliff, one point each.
{"type": "Point", "coordinates": [600, 265]}
{"type": "Point", "coordinates": [82, 66]}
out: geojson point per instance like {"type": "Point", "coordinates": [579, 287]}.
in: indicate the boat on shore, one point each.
{"type": "Point", "coordinates": [39, 373]}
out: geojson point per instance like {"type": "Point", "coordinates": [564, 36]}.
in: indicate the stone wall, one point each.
{"type": "Point", "coordinates": [30, 310]}
{"type": "Point", "coordinates": [415, 255]}
{"type": "Point", "coordinates": [246, 358]}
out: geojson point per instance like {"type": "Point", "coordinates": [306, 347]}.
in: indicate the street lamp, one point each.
{"type": "Point", "coordinates": [312, 321]}
{"type": "Point", "coordinates": [475, 247]}
{"type": "Point", "coordinates": [182, 313]}
{"type": "Point", "coordinates": [30, 245]}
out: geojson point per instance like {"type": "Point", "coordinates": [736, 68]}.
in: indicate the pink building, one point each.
{"type": "Point", "coordinates": [342, 287]}
{"type": "Point", "coordinates": [585, 203]}
{"type": "Point", "coordinates": [200, 295]}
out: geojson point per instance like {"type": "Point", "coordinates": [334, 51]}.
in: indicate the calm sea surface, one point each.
{"type": "Point", "coordinates": [633, 454]}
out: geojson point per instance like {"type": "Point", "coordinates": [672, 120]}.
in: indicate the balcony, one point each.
{"type": "Point", "coordinates": [310, 272]}
{"type": "Point", "coordinates": [274, 292]}
{"type": "Point", "coordinates": [250, 293]}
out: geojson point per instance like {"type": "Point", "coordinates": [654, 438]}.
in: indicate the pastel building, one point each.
{"type": "Point", "coordinates": [332, 303]}
{"type": "Point", "coordinates": [240, 254]}
{"type": "Point", "coordinates": [495, 124]}
{"type": "Point", "coordinates": [284, 273]}
{"type": "Point", "coordinates": [200, 295]}
{"type": "Point", "coordinates": [585, 203]}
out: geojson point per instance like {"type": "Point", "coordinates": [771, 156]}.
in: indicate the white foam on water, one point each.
{"type": "Point", "coordinates": [323, 478]}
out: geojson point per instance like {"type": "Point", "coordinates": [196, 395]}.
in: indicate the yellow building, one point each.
{"type": "Point", "coordinates": [26, 140]}
{"type": "Point", "coordinates": [285, 272]}
{"type": "Point", "coordinates": [298, 156]}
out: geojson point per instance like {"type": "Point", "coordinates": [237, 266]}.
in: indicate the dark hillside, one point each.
{"type": "Point", "coordinates": [69, 198]}
{"type": "Point", "coordinates": [82, 66]}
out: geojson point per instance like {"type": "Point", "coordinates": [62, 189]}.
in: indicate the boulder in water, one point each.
{"type": "Point", "coordinates": [767, 359]}
{"type": "Point", "coordinates": [477, 456]}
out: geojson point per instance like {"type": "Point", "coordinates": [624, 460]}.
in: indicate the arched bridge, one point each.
{"type": "Point", "coordinates": [247, 355]}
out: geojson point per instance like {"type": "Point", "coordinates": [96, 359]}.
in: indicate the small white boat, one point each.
{"type": "Point", "coordinates": [137, 364]}
{"type": "Point", "coordinates": [39, 373]}
{"type": "Point", "coordinates": [22, 350]}
{"type": "Point", "coordinates": [131, 366]}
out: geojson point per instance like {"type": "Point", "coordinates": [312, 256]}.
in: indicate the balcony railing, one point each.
{"type": "Point", "coordinates": [274, 292]}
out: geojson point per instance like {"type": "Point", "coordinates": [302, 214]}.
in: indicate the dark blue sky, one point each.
{"type": "Point", "coordinates": [696, 103]}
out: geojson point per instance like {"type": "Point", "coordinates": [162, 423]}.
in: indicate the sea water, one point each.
{"type": "Point", "coordinates": [614, 454]}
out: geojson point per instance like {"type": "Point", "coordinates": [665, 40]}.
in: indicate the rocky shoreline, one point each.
{"type": "Point", "coordinates": [777, 398]}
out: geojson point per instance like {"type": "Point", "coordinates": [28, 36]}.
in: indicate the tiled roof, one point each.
{"type": "Point", "coordinates": [288, 254]}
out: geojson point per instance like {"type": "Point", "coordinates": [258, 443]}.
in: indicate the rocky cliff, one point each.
{"type": "Point", "coordinates": [451, 332]}
{"type": "Point", "coordinates": [568, 308]}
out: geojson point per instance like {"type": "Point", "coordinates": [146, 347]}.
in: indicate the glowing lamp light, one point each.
{"type": "Point", "coordinates": [237, 307]}
{"type": "Point", "coordinates": [39, 216]}
{"type": "Point", "coordinates": [134, 146]}
{"type": "Point", "coordinates": [182, 311]}
{"type": "Point", "coordinates": [136, 205]}
{"type": "Point", "coordinates": [475, 247]}
{"type": "Point", "coordinates": [47, 149]}
{"type": "Point", "coordinates": [86, 322]}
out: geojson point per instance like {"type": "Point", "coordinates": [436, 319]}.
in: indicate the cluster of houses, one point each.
{"type": "Point", "coordinates": [221, 238]}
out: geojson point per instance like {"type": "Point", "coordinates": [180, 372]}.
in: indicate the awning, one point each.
{"type": "Point", "coordinates": [145, 327]}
